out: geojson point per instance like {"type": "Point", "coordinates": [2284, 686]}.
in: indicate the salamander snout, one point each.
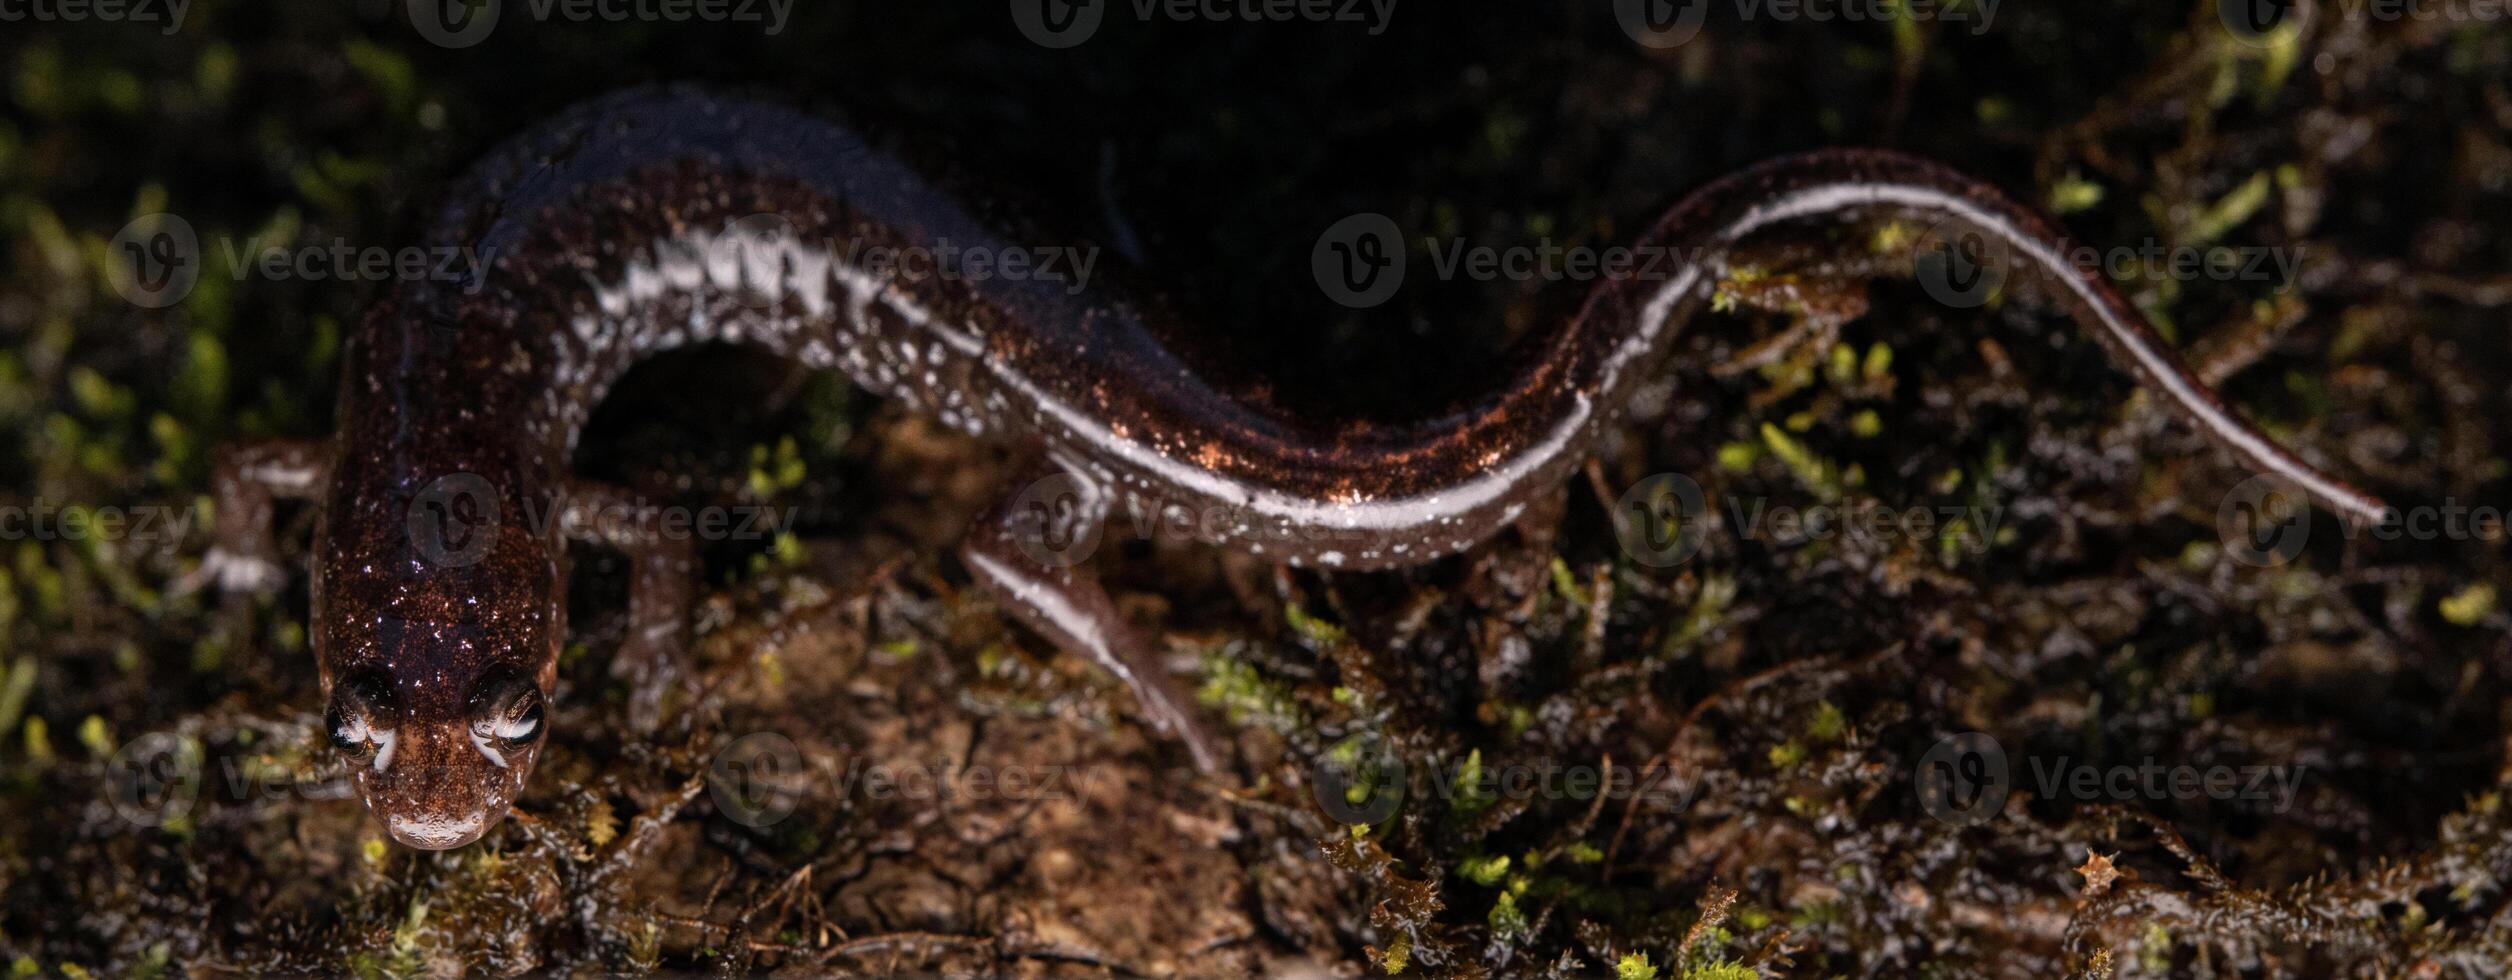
{"type": "Point", "coordinates": [438, 771]}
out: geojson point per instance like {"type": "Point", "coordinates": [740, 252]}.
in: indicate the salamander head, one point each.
{"type": "Point", "coordinates": [438, 682]}
{"type": "Point", "coordinates": [438, 778]}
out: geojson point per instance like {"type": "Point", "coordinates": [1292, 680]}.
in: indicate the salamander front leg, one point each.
{"type": "Point", "coordinates": [246, 485]}
{"type": "Point", "coordinates": [663, 570]}
{"type": "Point", "coordinates": [1027, 551]}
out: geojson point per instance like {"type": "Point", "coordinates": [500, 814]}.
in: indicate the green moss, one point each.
{"type": "Point", "coordinates": [1316, 630]}
{"type": "Point", "coordinates": [1721, 970]}
{"type": "Point", "coordinates": [1247, 695]}
{"type": "Point", "coordinates": [2074, 193]}
{"type": "Point", "coordinates": [1828, 724]}
{"type": "Point", "coordinates": [1566, 584]}
{"type": "Point", "coordinates": [2228, 211]}
{"type": "Point", "coordinates": [1814, 472]}
{"type": "Point", "coordinates": [2467, 606]}
{"type": "Point", "coordinates": [1485, 871]}
{"type": "Point", "coordinates": [1506, 921]}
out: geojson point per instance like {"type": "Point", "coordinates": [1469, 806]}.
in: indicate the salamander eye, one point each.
{"type": "Point", "coordinates": [346, 735]}
{"type": "Point", "coordinates": [524, 724]}
{"type": "Point", "coordinates": [361, 713]}
{"type": "Point", "coordinates": [506, 709]}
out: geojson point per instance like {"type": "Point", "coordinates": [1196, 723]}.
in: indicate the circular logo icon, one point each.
{"type": "Point", "coordinates": [1659, 521]}
{"type": "Point", "coordinates": [757, 780]}
{"type": "Point", "coordinates": [1056, 520]}
{"type": "Point", "coordinates": [2264, 521]}
{"type": "Point", "coordinates": [1360, 781]}
{"type": "Point", "coordinates": [1661, 24]}
{"type": "Point", "coordinates": [1962, 780]}
{"type": "Point", "coordinates": [154, 779]}
{"type": "Point", "coordinates": [2257, 22]}
{"type": "Point", "coordinates": [1058, 23]}
{"type": "Point", "coordinates": [753, 250]}
{"type": "Point", "coordinates": [453, 521]}
{"type": "Point", "coordinates": [1959, 265]}
{"type": "Point", "coordinates": [154, 261]}
{"type": "Point", "coordinates": [454, 23]}
{"type": "Point", "coordinates": [1359, 261]}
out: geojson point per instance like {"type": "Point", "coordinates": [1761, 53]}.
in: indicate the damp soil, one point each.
{"type": "Point", "coordinates": [916, 786]}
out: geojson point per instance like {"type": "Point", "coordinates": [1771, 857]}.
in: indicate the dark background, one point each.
{"type": "Point", "coordinates": [1798, 685]}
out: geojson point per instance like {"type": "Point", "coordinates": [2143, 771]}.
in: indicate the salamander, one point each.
{"type": "Point", "coordinates": [660, 218]}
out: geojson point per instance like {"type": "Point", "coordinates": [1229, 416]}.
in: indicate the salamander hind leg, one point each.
{"type": "Point", "coordinates": [663, 575]}
{"type": "Point", "coordinates": [1027, 553]}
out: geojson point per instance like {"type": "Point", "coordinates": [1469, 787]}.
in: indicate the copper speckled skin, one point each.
{"type": "Point", "coordinates": [615, 231]}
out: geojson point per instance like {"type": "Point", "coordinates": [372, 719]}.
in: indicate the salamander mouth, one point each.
{"type": "Point", "coordinates": [437, 832]}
